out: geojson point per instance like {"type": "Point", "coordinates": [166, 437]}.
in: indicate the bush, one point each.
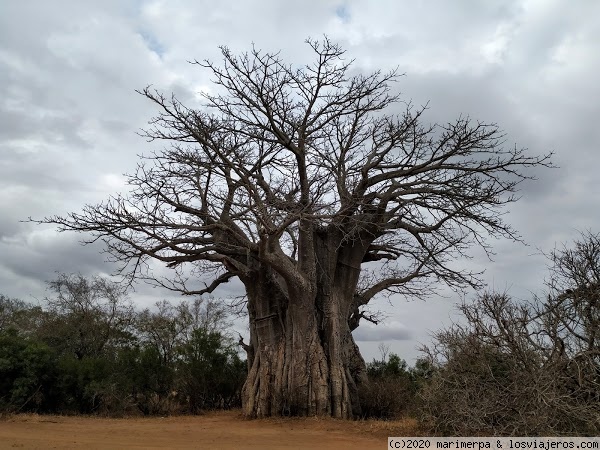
{"type": "Point", "coordinates": [524, 369]}
{"type": "Point", "coordinates": [211, 373]}
{"type": "Point", "coordinates": [386, 398]}
{"type": "Point", "coordinates": [26, 372]}
{"type": "Point", "coordinates": [501, 374]}
{"type": "Point", "coordinates": [391, 388]}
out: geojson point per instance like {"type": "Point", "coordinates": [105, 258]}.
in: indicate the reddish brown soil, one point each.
{"type": "Point", "coordinates": [221, 430]}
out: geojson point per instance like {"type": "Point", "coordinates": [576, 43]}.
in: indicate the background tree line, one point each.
{"type": "Point", "coordinates": [89, 351]}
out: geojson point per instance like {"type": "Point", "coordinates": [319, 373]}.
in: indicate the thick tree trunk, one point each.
{"type": "Point", "coordinates": [337, 281]}
{"type": "Point", "coordinates": [303, 358]}
{"type": "Point", "coordinates": [288, 374]}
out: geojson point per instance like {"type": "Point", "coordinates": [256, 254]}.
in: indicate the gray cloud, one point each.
{"type": "Point", "coordinates": [69, 112]}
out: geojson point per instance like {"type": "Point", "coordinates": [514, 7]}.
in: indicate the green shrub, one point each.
{"type": "Point", "coordinates": [27, 369]}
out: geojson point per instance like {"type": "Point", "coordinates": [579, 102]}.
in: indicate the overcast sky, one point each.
{"type": "Point", "coordinates": [69, 112]}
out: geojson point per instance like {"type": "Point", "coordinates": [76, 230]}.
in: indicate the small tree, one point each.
{"type": "Point", "coordinates": [182, 346]}
{"type": "Point", "coordinates": [294, 179]}
{"type": "Point", "coordinates": [86, 315]}
{"type": "Point", "coordinates": [168, 326]}
{"type": "Point", "coordinates": [10, 310]}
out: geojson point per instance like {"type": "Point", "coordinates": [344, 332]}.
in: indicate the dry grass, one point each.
{"type": "Point", "coordinates": [222, 429]}
{"type": "Point", "coordinates": [373, 427]}
{"type": "Point", "coordinates": [398, 427]}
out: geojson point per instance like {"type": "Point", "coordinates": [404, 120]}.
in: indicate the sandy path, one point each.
{"type": "Point", "coordinates": [222, 430]}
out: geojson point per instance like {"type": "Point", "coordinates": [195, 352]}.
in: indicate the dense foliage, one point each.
{"type": "Point", "coordinates": [89, 351]}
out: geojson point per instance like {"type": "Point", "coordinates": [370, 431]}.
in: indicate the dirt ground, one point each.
{"type": "Point", "coordinates": [219, 430]}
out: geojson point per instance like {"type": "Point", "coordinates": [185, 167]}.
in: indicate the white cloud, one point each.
{"type": "Point", "coordinates": [392, 331]}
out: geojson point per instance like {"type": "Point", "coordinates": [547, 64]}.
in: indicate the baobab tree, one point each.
{"type": "Point", "coordinates": [309, 186]}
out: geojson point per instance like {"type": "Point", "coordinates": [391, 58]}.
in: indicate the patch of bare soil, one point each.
{"type": "Point", "coordinates": [218, 430]}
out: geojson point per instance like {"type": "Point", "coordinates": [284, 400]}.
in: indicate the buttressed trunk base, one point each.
{"type": "Point", "coordinates": [303, 361]}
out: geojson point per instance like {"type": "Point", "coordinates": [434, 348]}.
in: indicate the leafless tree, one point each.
{"type": "Point", "coordinates": [86, 314]}
{"type": "Point", "coordinates": [524, 368]}
{"type": "Point", "coordinates": [296, 180]}
{"type": "Point", "coordinates": [166, 327]}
